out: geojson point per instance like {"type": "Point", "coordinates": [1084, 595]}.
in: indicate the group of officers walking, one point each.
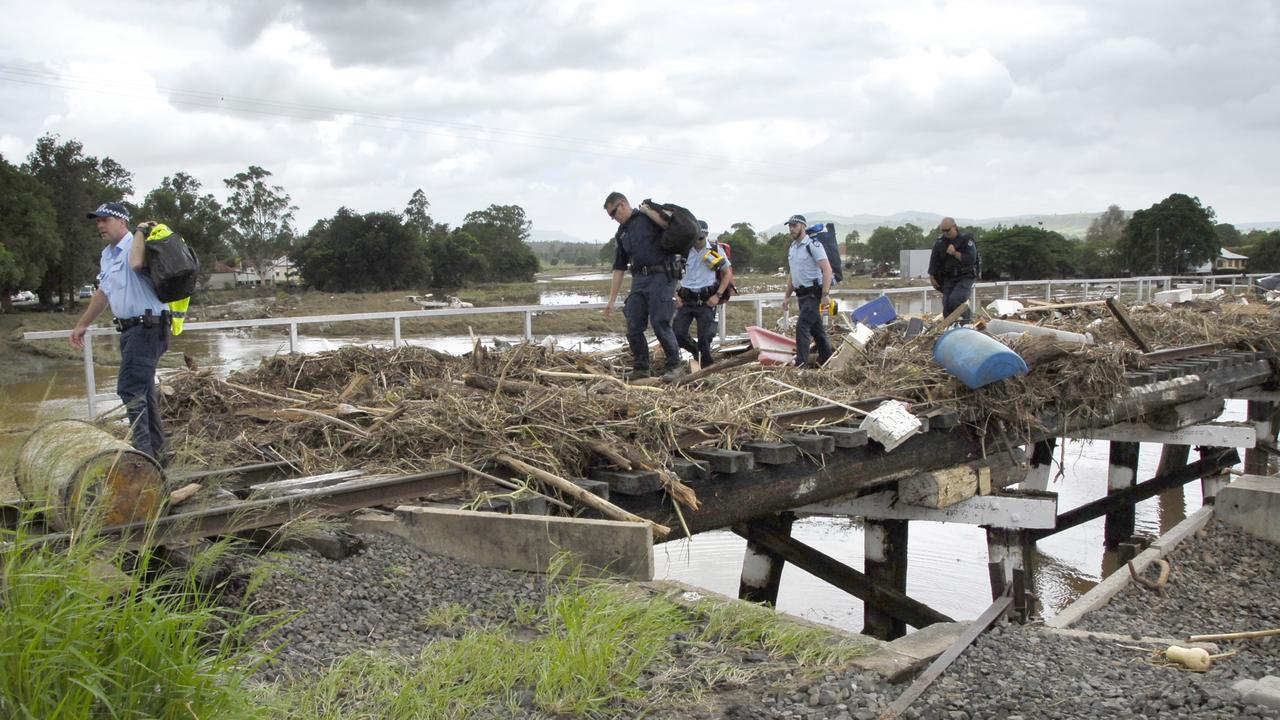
{"type": "Point", "coordinates": [705, 280]}
{"type": "Point", "coordinates": [656, 301]}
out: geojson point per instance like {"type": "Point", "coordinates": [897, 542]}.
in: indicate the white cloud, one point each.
{"type": "Point", "coordinates": [743, 111]}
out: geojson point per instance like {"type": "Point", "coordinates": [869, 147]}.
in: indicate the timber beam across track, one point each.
{"type": "Point", "coordinates": [733, 486]}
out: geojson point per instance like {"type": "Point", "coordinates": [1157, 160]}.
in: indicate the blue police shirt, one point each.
{"type": "Point", "coordinates": [129, 293]}
{"type": "Point", "coordinates": [697, 272]}
{"type": "Point", "coordinates": [637, 243]}
{"type": "Point", "coordinates": [802, 259]}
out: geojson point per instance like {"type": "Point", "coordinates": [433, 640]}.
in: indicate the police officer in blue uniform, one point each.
{"type": "Point", "coordinates": [140, 318]}
{"type": "Point", "coordinates": [699, 294]}
{"type": "Point", "coordinates": [810, 280]}
{"type": "Point", "coordinates": [953, 266]}
{"type": "Point", "coordinates": [653, 283]}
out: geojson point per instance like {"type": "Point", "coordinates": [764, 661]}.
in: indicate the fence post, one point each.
{"type": "Point", "coordinates": [528, 325]}
{"type": "Point", "coordinates": [1006, 291]}
{"type": "Point", "coordinates": [293, 337]}
{"type": "Point", "coordinates": [1048, 291]}
{"type": "Point", "coordinates": [90, 384]}
{"type": "Point", "coordinates": [395, 332]}
{"type": "Point", "coordinates": [759, 312]}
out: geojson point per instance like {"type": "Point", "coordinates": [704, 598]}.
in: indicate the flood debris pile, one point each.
{"type": "Point", "coordinates": [409, 408]}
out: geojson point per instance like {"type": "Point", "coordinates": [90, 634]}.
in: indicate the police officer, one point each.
{"type": "Point", "coordinates": [653, 283]}
{"type": "Point", "coordinates": [140, 318]}
{"type": "Point", "coordinates": [953, 266]}
{"type": "Point", "coordinates": [810, 280]}
{"type": "Point", "coordinates": [700, 293]}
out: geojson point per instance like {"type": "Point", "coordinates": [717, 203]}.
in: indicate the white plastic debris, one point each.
{"type": "Point", "coordinates": [1000, 327]}
{"type": "Point", "coordinates": [891, 424]}
{"type": "Point", "coordinates": [1209, 296]}
{"type": "Point", "coordinates": [861, 335]}
{"type": "Point", "coordinates": [1004, 308]}
{"type": "Point", "coordinates": [1169, 297]}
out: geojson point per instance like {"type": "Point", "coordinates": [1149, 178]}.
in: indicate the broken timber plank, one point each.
{"type": "Point", "coordinates": [813, 444]}
{"type": "Point", "coordinates": [724, 461]}
{"type": "Point", "coordinates": [772, 453]}
{"type": "Point", "coordinates": [945, 487]}
{"type": "Point", "coordinates": [1129, 329]}
{"type": "Point", "coordinates": [845, 437]}
{"type": "Point", "coordinates": [295, 485]}
{"type": "Point", "coordinates": [629, 482]}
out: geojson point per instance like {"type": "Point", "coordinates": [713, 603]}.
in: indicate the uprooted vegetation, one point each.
{"type": "Point", "coordinates": [409, 408]}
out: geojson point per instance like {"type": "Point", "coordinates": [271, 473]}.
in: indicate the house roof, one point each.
{"type": "Point", "coordinates": [221, 267]}
{"type": "Point", "coordinates": [1226, 254]}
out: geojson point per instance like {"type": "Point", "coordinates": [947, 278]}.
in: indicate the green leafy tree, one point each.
{"type": "Point", "coordinates": [1171, 237]}
{"type": "Point", "coordinates": [177, 202]}
{"type": "Point", "coordinates": [415, 214]}
{"type": "Point", "coordinates": [260, 217]}
{"type": "Point", "coordinates": [1228, 235]}
{"type": "Point", "coordinates": [607, 251]}
{"type": "Point", "coordinates": [76, 183]}
{"type": "Point", "coordinates": [744, 247]}
{"type": "Point", "coordinates": [1264, 252]}
{"type": "Point", "coordinates": [455, 256]}
{"type": "Point", "coordinates": [1026, 253]}
{"type": "Point", "coordinates": [502, 232]}
{"type": "Point", "coordinates": [351, 252]}
{"type": "Point", "coordinates": [854, 249]}
{"type": "Point", "coordinates": [30, 241]}
{"type": "Point", "coordinates": [884, 245]}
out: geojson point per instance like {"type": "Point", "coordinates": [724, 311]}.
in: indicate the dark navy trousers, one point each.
{"type": "Point", "coordinates": [705, 316]}
{"type": "Point", "coordinates": [954, 292]}
{"type": "Point", "coordinates": [651, 302]}
{"type": "Point", "coordinates": [809, 328]}
{"type": "Point", "coordinates": [140, 351]}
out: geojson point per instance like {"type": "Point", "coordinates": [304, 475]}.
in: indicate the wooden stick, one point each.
{"type": "Point", "coordinates": [614, 456]}
{"type": "Point", "coordinates": [1063, 306]}
{"type": "Point", "coordinates": [295, 413]}
{"type": "Point", "coordinates": [743, 359]}
{"type": "Point", "coordinates": [506, 483]}
{"type": "Point", "coordinates": [816, 396]}
{"type": "Point", "coordinates": [592, 376]}
{"type": "Point", "coordinates": [183, 494]}
{"type": "Point", "coordinates": [291, 401]}
{"type": "Point", "coordinates": [1129, 329]}
{"type": "Point", "coordinates": [1234, 636]}
{"type": "Point", "coordinates": [1159, 584]}
{"type": "Point", "coordinates": [508, 387]}
{"type": "Point", "coordinates": [592, 501]}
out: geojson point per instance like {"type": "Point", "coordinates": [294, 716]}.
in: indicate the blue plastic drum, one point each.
{"type": "Point", "coordinates": [975, 358]}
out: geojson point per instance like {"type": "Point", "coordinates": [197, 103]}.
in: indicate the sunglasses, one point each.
{"type": "Point", "coordinates": [613, 213]}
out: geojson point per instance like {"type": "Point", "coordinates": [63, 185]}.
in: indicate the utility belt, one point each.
{"type": "Point", "coordinates": [672, 268]}
{"type": "Point", "coordinates": [807, 290]}
{"type": "Point", "coordinates": [147, 319]}
{"type": "Point", "coordinates": [696, 296]}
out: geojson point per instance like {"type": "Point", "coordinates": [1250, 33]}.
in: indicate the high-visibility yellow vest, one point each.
{"type": "Point", "coordinates": [177, 308]}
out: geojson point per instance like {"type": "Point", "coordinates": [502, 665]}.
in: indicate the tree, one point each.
{"type": "Point", "coordinates": [1170, 237]}
{"type": "Point", "coordinates": [744, 244]}
{"type": "Point", "coordinates": [1228, 235]}
{"type": "Point", "coordinates": [883, 245]}
{"type": "Point", "coordinates": [352, 252]}
{"type": "Point", "coordinates": [1264, 255]}
{"type": "Point", "coordinates": [455, 256]}
{"type": "Point", "coordinates": [77, 183]}
{"type": "Point", "coordinates": [1022, 252]}
{"type": "Point", "coordinates": [260, 217]}
{"type": "Point", "coordinates": [853, 247]}
{"type": "Point", "coordinates": [608, 250]}
{"type": "Point", "coordinates": [197, 218]}
{"type": "Point", "coordinates": [1106, 229]}
{"type": "Point", "coordinates": [415, 214]}
{"type": "Point", "coordinates": [501, 232]}
{"type": "Point", "coordinates": [30, 243]}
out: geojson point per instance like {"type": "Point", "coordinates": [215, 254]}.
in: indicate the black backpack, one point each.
{"type": "Point", "coordinates": [173, 266]}
{"type": "Point", "coordinates": [827, 236]}
{"type": "Point", "coordinates": [681, 230]}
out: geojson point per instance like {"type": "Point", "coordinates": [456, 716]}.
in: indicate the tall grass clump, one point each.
{"type": "Point", "coordinates": [86, 633]}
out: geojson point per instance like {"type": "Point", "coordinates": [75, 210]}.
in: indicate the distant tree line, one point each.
{"type": "Point", "coordinates": [48, 246]}
{"type": "Point", "coordinates": [555, 252]}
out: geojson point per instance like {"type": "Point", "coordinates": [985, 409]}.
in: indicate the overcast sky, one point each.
{"type": "Point", "coordinates": [739, 110]}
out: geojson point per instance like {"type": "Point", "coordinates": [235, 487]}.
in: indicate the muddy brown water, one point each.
{"type": "Point", "coordinates": [947, 562]}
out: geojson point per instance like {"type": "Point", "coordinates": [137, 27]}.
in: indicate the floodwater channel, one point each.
{"type": "Point", "coordinates": [947, 565]}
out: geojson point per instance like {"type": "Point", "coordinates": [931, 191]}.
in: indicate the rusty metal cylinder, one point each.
{"type": "Point", "coordinates": [74, 472]}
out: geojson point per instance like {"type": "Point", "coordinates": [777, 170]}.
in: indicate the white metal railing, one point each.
{"type": "Point", "coordinates": [758, 301]}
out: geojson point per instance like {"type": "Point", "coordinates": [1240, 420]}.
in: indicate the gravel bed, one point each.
{"type": "Point", "coordinates": [378, 598]}
{"type": "Point", "coordinates": [1223, 580]}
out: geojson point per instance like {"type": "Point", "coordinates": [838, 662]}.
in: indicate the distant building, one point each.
{"type": "Point", "coordinates": [914, 263]}
{"type": "Point", "coordinates": [283, 272]}
{"type": "Point", "coordinates": [228, 276]}
{"type": "Point", "coordinates": [1226, 262]}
